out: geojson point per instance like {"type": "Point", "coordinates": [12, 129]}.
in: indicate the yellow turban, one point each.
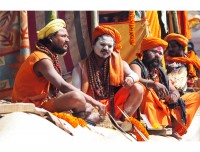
{"type": "Point", "coordinates": [105, 29]}
{"type": "Point", "coordinates": [52, 27]}
{"type": "Point", "coordinates": [177, 37]}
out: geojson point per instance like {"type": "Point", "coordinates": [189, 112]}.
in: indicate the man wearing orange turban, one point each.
{"type": "Point", "coordinates": [106, 77]}
{"type": "Point", "coordinates": [182, 67]}
{"type": "Point", "coordinates": [39, 80]}
{"type": "Point", "coordinates": [162, 103]}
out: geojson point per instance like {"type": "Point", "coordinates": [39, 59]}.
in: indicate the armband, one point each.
{"type": "Point", "coordinates": [131, 76]}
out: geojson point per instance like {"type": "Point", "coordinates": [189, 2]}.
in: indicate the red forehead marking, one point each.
{"type": "Point", "coordinates": [159, 48]}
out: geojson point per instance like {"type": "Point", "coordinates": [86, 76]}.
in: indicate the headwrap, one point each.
{"type": "Point", "coordinates": [52, 27]}
{"type": "Point", "coordinates": [177, 37]}
{"type": "Point", "coordinates": [105, 29]}
{"type": "Point", "coordinates": [116, 63]}
{"type": "Point", "coordinates": [150, 43]}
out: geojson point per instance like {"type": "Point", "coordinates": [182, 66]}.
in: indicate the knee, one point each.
{"type": "Point", "coordinates": [137, 89]}
{"type": "Point", "coordinates": [79, 101]}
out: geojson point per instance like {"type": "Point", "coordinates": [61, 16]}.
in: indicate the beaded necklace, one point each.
{"type": "Point", "coordinates": [99, 78]}
{"type": "Point", "coordinates": [56, 64]}
{"type": "Point", "coordinates": [156, 76]}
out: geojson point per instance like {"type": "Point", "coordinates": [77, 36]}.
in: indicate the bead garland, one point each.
{"type": "Point", "coordinates": [99, 79]}
{"type": "Point", "coordinates": [54, 58]}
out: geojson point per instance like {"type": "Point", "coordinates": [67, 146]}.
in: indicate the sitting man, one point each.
{"type": "Point", "coordinates": [39, 79]}
{"type": "Point", "coordinates": [182, 67]}
{"type": "Point", "coordinates": [106, 77]}
{"type": "Point", "coordinates": [162, 103]}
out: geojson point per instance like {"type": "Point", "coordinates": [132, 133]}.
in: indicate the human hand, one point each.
{"type": "Point", "coordinates": [101, 109]}
{"type": "Point", "coordinates": [160, 90]}
{"type": "Point", "coordinates": [128, 82]}
{"type": "Point", "coordinates": [172, 98]}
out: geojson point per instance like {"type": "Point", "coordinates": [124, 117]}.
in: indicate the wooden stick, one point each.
{"type": "Point", "coordinates": [126, 116]}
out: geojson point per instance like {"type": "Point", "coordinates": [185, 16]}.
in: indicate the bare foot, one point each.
{"type": "Point", "coordinates": [176, 135]}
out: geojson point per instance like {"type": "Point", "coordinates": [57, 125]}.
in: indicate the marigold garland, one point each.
{"type": "Point", "coordinates": [74, 121]}
{"type": "Point", "coordinates": [140, 127]}
{"type": "Point", "coordinates": [132, 27]}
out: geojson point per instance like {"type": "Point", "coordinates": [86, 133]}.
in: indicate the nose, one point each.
{"type": "Point", "coordinates": [105, 47]}
{"type": "Point", "coordinates": [67, 39]}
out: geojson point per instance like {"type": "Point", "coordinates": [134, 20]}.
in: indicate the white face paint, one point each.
{"type": "Point", "coordinates": [104, 46]}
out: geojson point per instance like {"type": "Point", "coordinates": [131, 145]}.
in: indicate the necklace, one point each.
{"type": "Point", "coordinates": [99, 78]}
{"type": "Point", "coordinates": [56, 65]}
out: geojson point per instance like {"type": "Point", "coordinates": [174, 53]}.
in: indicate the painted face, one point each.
{"type": "Point", "coordinates": [174, 49]}
{"type": "Point", "coordinates": [153, 57]}
{"type": "Point", "coordinates": [60, 42]}
{"type": "Point", "coordinates": [104, 46]}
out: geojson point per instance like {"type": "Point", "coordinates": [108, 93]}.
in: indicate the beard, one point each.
{"type": "Point", "coordinates": [151, 63]}
{"type": "Point", "coordinates": [59, 50]}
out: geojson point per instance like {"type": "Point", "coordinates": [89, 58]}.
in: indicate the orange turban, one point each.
{"type": "Point", "coordinates": [105, 29]}
{"type": "Point", "coordinates": [177, 37]}
{"type": "Point", "coordinates": [152, 42]}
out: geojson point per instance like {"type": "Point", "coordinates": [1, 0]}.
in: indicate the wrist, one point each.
{"type": "Point", "coordinates": [149, 84]}
{"type": "Point", "coordinates": [174, 93]}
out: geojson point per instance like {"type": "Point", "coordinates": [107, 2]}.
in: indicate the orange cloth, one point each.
{"type": "Point", "coordinates": [119, 98]}
{"type": "Point", "coordinates": [159, 114]}
{"type": "Point", "coordinates": [184, 24]}
{"type": "Point", "coordinates": [192, 60]}
{"type": "Point", "coordinates": [150, 43]}
{"type": "Point", "coordinates": [153, 23]}
{"type": "Point", "coordinates": [28, 87]}
{"type": "Point", "coordinates": [178, 37]}
{"type": "Point", "coordinates": [116, 63]}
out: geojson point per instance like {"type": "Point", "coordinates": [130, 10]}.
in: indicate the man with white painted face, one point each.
{"type": "Point", "coordinates": [106, 77]}
{"type": "Point", "coordinates": [39, 79]}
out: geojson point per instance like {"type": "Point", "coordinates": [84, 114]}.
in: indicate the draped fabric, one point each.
{"type": "Point", "coordinates": [14, 47]}
{"type": "Point", "coordinates": [178, 23]}
{"type": "Point", "coordinates": [18, 34]}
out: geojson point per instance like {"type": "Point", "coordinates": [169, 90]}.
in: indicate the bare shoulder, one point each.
{"type": "Point", "coordinates": [43, 65]}
{"type": "Point", "coordinates": [134, 66]}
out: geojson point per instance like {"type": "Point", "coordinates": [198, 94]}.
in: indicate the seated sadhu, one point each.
{"type": "Point", "coordinates": [39, 78]}
{"type": "Point", "coordinates": [106, 77]}
{"type": "Point", "coordinates": [182, 66]}
{"type": "Point", "coordinates": [162, 103]}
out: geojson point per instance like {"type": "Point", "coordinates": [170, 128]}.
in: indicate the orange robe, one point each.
{"type": "Point", "coordinates": [28, 87]}
{"type": "Point", "coordinates": [159, 114]}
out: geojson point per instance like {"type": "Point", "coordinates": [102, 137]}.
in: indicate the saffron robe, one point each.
{"type": "Point", "coordinates": [28, 87]}
{"type": "Point", "coordinates": [119, 97]}
{"type": "Point", "coordinates": [159, 114]}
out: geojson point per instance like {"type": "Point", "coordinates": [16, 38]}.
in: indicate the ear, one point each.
{"type": "Point", "coordinates": [50, 38]}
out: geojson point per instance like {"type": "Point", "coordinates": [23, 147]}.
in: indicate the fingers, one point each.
{"type": "Point", "coordinates": [162, 93]}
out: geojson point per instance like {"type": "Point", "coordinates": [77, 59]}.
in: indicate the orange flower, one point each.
{"type": "Point", "coordinates": [132, 27]}
{"type": "Point", "coordinates": [140, 127]}
{"type": "Point", "coordinates": [74, 121]}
